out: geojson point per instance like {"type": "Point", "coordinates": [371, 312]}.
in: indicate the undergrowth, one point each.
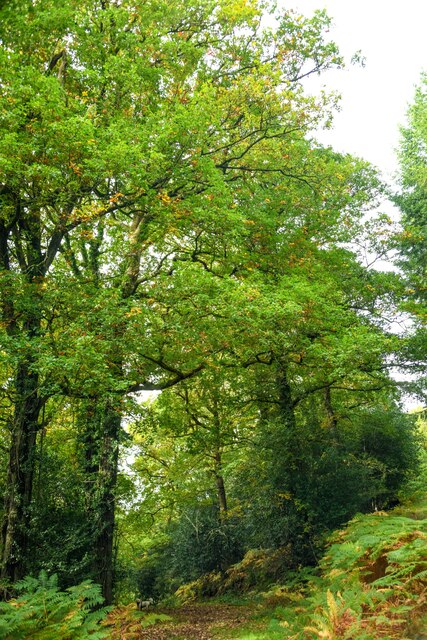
{"type": "Point", "coordinates": [374, 580]}
{"type": "Point", "coordinates": [42, 612]}
{"type": "Point", "coordinates": [126, 622]}
{"type": "Point", "coordinates": [372, 584]}
{"type": "Point", "coordinates": [258, 568]}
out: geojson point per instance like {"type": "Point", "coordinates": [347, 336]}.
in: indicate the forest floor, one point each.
{"type": "Point", "coordinates": [201, 621]}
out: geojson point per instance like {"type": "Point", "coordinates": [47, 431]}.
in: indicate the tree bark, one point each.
{"type": "Point", "coordinates": [286, 439]}
{"type": "Point", "coordinates": [99, 434]}
{"type": "Point", "coordinates": [25, 425]}
{"type": "Point", "coordinates": [286, 409]}
{"type": "Point", "coordinates": [105, 489]}
{"type": "Point", "coordinates": [332, 417]}
{"type": "Point", "coordinates": [220, 487]}
{"type": "Point", "coordinates": [27, 404]}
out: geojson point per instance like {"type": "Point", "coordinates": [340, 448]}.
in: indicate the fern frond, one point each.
{"type": "Point", "coordinates": [42, 612]}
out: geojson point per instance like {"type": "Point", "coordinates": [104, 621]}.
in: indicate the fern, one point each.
{"type": "Point", "coordinates": [374, 581]}
{"type": "Point", "coordinates": [154, 618]}
{"type": "Point", "coordinates": [43, 612]}
{"type": "Point", "coordinates": [127, 622]}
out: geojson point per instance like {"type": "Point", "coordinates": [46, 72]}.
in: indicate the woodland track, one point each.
{"type": "Point", "coordinates": [189, 622]}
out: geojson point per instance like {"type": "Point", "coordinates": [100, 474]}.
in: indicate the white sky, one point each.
{"type": "Point", "coordinates": [392, 35]}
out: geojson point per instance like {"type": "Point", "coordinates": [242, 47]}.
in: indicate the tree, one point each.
{"type": "Point", "coordinates": [299, 328]}
{"type": "Point", "coordinates": [412, 241]}
{"type": "Point", "coordinates": [119, 118]}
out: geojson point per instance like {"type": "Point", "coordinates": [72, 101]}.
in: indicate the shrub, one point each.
{"type": "Point", "coordinates": [201, 543]}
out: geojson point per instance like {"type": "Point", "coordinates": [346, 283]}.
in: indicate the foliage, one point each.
{"type": "Point", "coordinates": [281, 489]}
{"type": "Point", "coordinates": [61, 534]}
{"type": "Point", "coordinates": [135, 139]}
{"type": "Point", "coordinates": [195, 544]}
{"type": "Point", "coordinates": [412, 198]}
{"type": "Point", "coordinates": [127, 622]}
{"type": "Point", "coordinates": [372, 585]}
{"type": "Point", "coordinates": [389, 558]}
{"type": "Point", "coordinates": [413, 490]}
{"type": "Point", "coordinates": [412, 239]}
{"type": "Point", "coordinates": [42, 611]}
{"type": "Point", "coordinates": [202, 543]}
{"type": "Point", "coordinates": [291, 497]}
{"type": "Point", "coordinates": [169, 224]}
{"type": "Point", "coordinates": [373, 581]}
{"type": "Point", "coordinates": [257, 570]}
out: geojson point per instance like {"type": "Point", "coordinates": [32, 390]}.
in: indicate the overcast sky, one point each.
{"type": "Point", "coordinates": [392, 37]}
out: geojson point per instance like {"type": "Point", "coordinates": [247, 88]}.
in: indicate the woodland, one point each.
{"type": "Point", "coordinates": [208, 331]}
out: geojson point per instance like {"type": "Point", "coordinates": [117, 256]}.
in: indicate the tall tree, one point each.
{"type": "Point", "coordinates": [118, 119]}
{"type": "Point", "coordinates": [412, 241]}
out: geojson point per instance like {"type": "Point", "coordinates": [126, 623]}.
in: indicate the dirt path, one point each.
{"type": "Point", "coordinates": [190, 622]}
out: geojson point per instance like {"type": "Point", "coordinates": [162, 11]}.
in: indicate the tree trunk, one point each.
{"type": "Point", "coordinates": [286, 438]}
{"type": "Point", "coordinates": [19, 487]}
{"type": "Point", "coordinates": [220, 487]}
{"type": "Point", "coordinates": [27, 400]}
{"type": "Point", "coordinates": [105, 490]}
{"type": "Point", "coordinates": [332, 417]}
{"type": "Point", "coordinates": [99, 434]}
{"type": "Point", "coordinates": [286, 409]}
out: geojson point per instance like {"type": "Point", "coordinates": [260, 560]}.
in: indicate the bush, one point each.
{"type": "Point", "coordinates": [260, 568]}
{"type": "Point", "coordinates": [311, 480]}
{"type": "Point", "coordinates": [201, 543]}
